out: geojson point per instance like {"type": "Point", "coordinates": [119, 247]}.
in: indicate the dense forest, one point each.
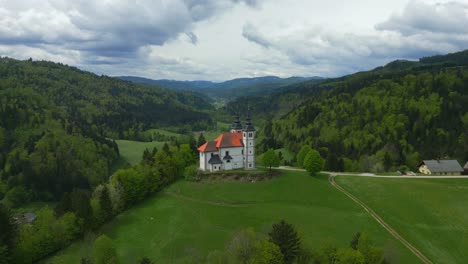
{"type": "Point", "coordinates": [385, 119]}
{"type": "Point", "coordinates": [56, 123]}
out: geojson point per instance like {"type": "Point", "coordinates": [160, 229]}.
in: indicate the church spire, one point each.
{"type": "Point", "coordinates": [236, 125]}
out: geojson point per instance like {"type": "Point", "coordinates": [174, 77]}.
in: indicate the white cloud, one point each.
{"type": "Point", "coordinates": [221, 39]}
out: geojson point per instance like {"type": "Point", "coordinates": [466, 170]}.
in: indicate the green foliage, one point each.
{"type": "Point", "coordinates": [302, 154]}
{"type": "Point", "coordinates": [313, 163]}
{"type": "Point", "coordinates": [47, 234]}
{"type": "Point", "coordinates": [104, 251]}
{"type": "Point", "coordinates": [247, 246]}
{"type": "Point", "coordinates": [349, 256]}
{"type": "Point", "coordinates": [270, 159]}
{"type": "Point", "coordinates": [191, 173]}
{"type": "Point", "coordinates": [201, 140]}
{"type": "Point", "coordinates": [286, 238]}
{"type": "Point", "coordinates": [17, 196]}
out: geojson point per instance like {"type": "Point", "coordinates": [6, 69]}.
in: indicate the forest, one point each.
{"type": "Point", "coordinates": [57, 125]}
{"type": "Point", "coordinates": [386, 119]}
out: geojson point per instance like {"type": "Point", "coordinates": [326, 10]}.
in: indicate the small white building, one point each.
{"type": "Point", "coordinates": [231, 150]}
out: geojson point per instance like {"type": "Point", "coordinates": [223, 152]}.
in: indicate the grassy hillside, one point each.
{"type": "Point", "coordinates": [189, 220]}
{"type": "Point", "coordinates": [432, 214]}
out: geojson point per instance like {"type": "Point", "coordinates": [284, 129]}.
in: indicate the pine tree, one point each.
{"type": "Point", "coordinates": [105, 203]}
{"type": "Point", "coordinates": [201, 140]}
{"type": "Point", "coordinates": [287, 239]}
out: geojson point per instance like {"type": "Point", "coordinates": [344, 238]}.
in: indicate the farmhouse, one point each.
{"type": "Point", "coordinates": [442, 167]}
{"type": "Point", "coordinates": [231, 150]}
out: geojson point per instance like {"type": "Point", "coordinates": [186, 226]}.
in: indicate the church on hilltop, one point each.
{"type": "Point", "coordinates": [231, 150]}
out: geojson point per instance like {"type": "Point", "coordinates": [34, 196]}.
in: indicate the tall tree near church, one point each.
{"type": "Point", "coordinates": [201, 140]}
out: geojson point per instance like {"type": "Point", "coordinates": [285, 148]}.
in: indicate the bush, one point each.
{"type": "Point", "coordinates": [17, 196]}
{"type": "Point", "coordinates": [191, 173]}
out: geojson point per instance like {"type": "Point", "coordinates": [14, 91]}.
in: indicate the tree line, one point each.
{"type": "Point", "coordinates": [82, 210]}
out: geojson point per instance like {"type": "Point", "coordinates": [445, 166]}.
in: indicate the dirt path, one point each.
{"type": "Point", "coordinates": [224, 204]}
{"type": "Point", "coordinates": [379, 219]}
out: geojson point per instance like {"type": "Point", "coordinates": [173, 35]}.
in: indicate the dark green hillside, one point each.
{"type": "Point", "coordinates": [378, 120]}
{"type": "Point", "coordinates": [55, 121]}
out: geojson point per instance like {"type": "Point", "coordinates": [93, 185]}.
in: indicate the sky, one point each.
{"type": "Point", "coordinates": [224, 39]}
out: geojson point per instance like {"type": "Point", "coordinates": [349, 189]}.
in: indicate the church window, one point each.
{"type": "Point", "coordinates": [228, 161]}
{"type": "Point", "coordinates": [242, 152]}
{"type": "Point", "coordinates": [244, 134]}
{"type": "Point", "coordinates": [250, 165]}
{"type": "Point", "coordinates": [250, 152]}
{"type": "Point", "coordinates": [250, 134]}
{"type": "Point", "coordinates": [227, 153]}
{"type": "Point", "coordinates": [250, 143]}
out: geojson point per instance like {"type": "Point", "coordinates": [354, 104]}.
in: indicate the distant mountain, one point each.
{"type": "Point", "coordinates": [230, 89]}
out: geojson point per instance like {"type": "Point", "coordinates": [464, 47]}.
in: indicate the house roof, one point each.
{"type": "Point", "coordinates": [466, 165]}
{"type": "Point", "coordinates": [227, 140]}
{"type": "Point", "coordinates": [209, 146]}
{"type": "Point", "coordinates": [215, 160]}
{"type": "Point", "coordinates": [442, 165]}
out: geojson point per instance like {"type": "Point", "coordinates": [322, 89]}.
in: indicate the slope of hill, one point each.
{"type": "Point", "coordinates": [55, 122]}
{"type": "Point", "coordinates": [229, 89]}
{"type": "Point", "coordinates": [377, 120]}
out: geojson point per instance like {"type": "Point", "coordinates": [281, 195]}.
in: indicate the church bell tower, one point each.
{"type": "Point", "coordinates": [248, 138]}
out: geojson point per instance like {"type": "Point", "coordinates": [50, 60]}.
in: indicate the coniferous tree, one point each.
{"type": "Point", "coordinates": [105, 203]}
{"type": "Point", "coordinates": [201, 140]}
{"type": "Point", "coordinates": [286, 238]}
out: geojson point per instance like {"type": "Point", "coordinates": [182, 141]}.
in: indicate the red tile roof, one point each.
{"type": "Point", "coordinates": [209, 146]}
{"type": "Point", "coordinates": [225, 140]}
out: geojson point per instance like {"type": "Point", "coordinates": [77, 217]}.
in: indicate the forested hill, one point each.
{"type": "Point", "coordinates": [231, 89]}
{"type": "Point", "coordinates": [379, 120]}
{"type": "Point", "coordinates": [55, 122]}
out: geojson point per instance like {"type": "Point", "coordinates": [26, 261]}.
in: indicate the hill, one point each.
{"type": "Point", "coordinates": [230, 89]}
{"type": "Point", "coordinates": [378, 120]}
{"type": "Point", "coordinates": [56, 121]}
{"type": "Point", "coordinates": [188, 221]}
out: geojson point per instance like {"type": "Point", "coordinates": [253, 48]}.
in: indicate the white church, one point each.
{"type": "Point", "coordinates": [231, 150]}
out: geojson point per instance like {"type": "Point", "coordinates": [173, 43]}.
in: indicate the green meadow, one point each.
{"type": "Point", "coordinates": [432, 214]}
{"type": "Point", "coordinates": [188, 220]}
{"type": "Point", "coordinates": [132, 151]}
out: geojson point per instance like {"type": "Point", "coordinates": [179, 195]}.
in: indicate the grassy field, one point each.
{"type": "Point", "coordinates": [132, 151]}
{"type": "Point", "coordinates": [432, 214]}
{"type": "Point", "coordinates": [188, 220]}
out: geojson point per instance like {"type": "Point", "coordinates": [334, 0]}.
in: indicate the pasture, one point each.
{"type": "Point", "coordinates": [132, 151]}
{"type": "Point", "coordinates": [188, 220]}
{"type": "Point", "coordinates": [432, 214]}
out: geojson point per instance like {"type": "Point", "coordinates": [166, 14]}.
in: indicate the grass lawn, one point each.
{"type": "Point", "coordinates": [132, 151]}
{"type": "Point", "coordinates": [432, 214]}
{"type": "Point", "coordinates": [189, 220]}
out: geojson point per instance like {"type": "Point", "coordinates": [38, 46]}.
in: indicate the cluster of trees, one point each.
{"type": "Point", "coordinates": [283, 245]}
{"type": "Point", "coordinates": [83, 210]}
{"type": "Point", "coordinates": [310, 160]}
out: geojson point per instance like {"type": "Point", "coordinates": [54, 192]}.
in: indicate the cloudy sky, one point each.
{"type": "Point", "coordinates": [225, 39]}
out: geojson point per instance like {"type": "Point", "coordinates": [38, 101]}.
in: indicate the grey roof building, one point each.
{"type": "Point", "coordinates": [440, 167]}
